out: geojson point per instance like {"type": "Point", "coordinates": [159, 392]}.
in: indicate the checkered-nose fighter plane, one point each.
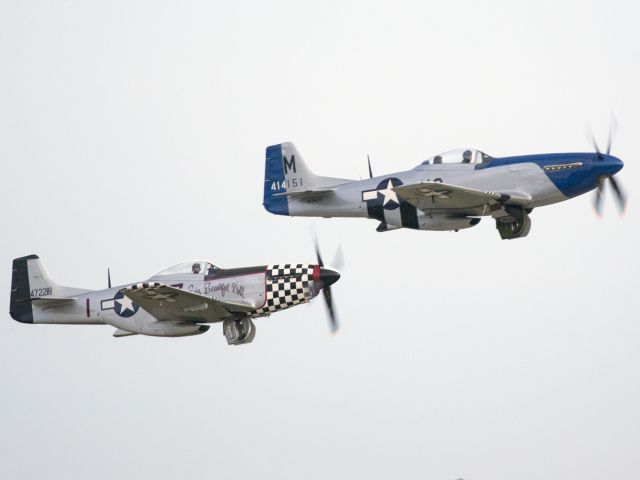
{"type": "Point", "coordinates": [449, 191]}
{"type": "Point", "coordinates": [181, 300]}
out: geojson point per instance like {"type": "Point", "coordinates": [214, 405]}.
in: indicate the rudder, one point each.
{"type": "Point", "coordinates": [274, 182]}
{"type": "Point", "coordinates": [20, 304]}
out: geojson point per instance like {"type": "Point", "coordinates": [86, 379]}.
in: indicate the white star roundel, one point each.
{"type": "Point", "coordinates": [124, 306]}
{"type": "Point", "coordinates": [384, 194]}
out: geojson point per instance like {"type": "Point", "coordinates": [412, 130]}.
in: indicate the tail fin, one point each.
{"type": "Point", "coordinates": [30, 281]}
{"type": "Point", "coordinates": [20, 304]}
{"type": "Point", "coordinates": [286, 172]}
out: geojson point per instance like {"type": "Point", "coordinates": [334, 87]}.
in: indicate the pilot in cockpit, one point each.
{"type": "Point", "coordinates": [195, 268]}
{"type": "Point", "coordinates": [466, 156]}
{"type": "Point", "coordinates": [437, 159]}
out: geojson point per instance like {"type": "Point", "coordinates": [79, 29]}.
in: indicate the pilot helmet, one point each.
{"type": "Point", "coordinates": [195, 268]}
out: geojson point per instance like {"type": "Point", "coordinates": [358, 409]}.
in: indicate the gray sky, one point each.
{"type": "Point", "coordinates": [132, 135]}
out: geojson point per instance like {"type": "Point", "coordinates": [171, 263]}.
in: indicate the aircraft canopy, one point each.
{"type": "Point", "coordinates": [460, 155]}
{"type": "Point", "coordinates": [196, 267]}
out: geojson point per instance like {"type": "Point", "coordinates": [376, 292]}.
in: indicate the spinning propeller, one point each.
{"type": "Point", "coordinates": [604, 157]}
{"type": "Point", "coordinates": [328, 277]}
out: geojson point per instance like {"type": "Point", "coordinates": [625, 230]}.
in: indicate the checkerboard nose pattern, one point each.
{"type": "Point", "coordinates": [287, 285]}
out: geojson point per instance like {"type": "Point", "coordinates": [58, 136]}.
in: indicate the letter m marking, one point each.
{"type": "Point", "coordinates": [289, 164]}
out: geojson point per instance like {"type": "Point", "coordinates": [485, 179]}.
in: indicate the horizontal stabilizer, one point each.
{"type": "Point", "coordinates": [49, 302]}
{"type": "Point", "coordinates": [307, 194]}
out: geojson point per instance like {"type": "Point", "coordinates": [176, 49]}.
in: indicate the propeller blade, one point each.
{"type": "Point", "coordinates": [613, 127]}
{"type": "Point", "coordinates": [369, 162]}
{"type": "Point", "coordinates": [328, 277]}
{"type": "Point", "coordinates": [597, 198]}
{"type": "Point", "coordinates": [338, 259]}
{"type": "Point", "coordinates": [621, 197]}
{"type": "Point", "coordinates": [328, 300]}
{"type": "Point", "coordinates": [318, 256]}
{"type": "Point", "coordinates": [109, 277]}
{"type": "Point", "coordinates": [619, 194]}
{"type": "Point", "coordinates": [593, 141]}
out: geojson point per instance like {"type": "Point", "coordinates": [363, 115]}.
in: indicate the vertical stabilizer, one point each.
{"type": "Point", "coordinates": [30, 282]}
{"type": "Point", "coordinates": [287, 172]}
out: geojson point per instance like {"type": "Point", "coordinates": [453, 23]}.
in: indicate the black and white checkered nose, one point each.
{"type": "Point", "coordinates": [328, 276]}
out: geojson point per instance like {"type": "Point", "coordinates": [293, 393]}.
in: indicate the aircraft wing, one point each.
{"type": "Point", "coordinates": [435, 195]}
{"type": "Point", "coordinates": [170, 303]}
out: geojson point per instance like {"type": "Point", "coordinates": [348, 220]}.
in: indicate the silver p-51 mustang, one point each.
{"type": "Point", "coordinates": [178, 301]}
{"type": "Point", "coordinates": [449, 191]}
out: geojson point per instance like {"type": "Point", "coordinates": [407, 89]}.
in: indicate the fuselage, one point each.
{"type": "Point", "coordinates": [530, 181]}
{"type": "Point", "coordinates": [265, 289]}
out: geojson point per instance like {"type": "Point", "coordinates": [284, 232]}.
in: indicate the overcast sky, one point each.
{"type": "Point", "coordinates": [132, 136]}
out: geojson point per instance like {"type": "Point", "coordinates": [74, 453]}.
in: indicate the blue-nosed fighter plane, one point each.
{"type": "Point", "coordinates": [178, 301]}
{"type": "Point", "coordinates": [449, 191]}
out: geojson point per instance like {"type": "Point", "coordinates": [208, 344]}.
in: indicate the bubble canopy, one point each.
{"type": "Point", "coordinates": [195, 267]}
{"type": "Point", "coordinates": [459, 155]}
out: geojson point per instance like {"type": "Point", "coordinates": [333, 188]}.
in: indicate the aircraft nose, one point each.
{"type": "Point", "coordinates": [614, 165]}
{"type": "Point", "coordinates": [608, 165]}
{"type": "Point", "coordinates": [328, 276]}
{"type": "Point", "coordinates": [611, 165]}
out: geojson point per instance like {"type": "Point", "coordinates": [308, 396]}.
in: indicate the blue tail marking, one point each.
{"type": "Point", "coordinates": [274, 182]}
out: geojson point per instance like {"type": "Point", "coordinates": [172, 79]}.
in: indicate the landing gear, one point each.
{"type": "Point", "coordinates": [515, 224]}
{"type": "Point", "coordinates": [240, 331]}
